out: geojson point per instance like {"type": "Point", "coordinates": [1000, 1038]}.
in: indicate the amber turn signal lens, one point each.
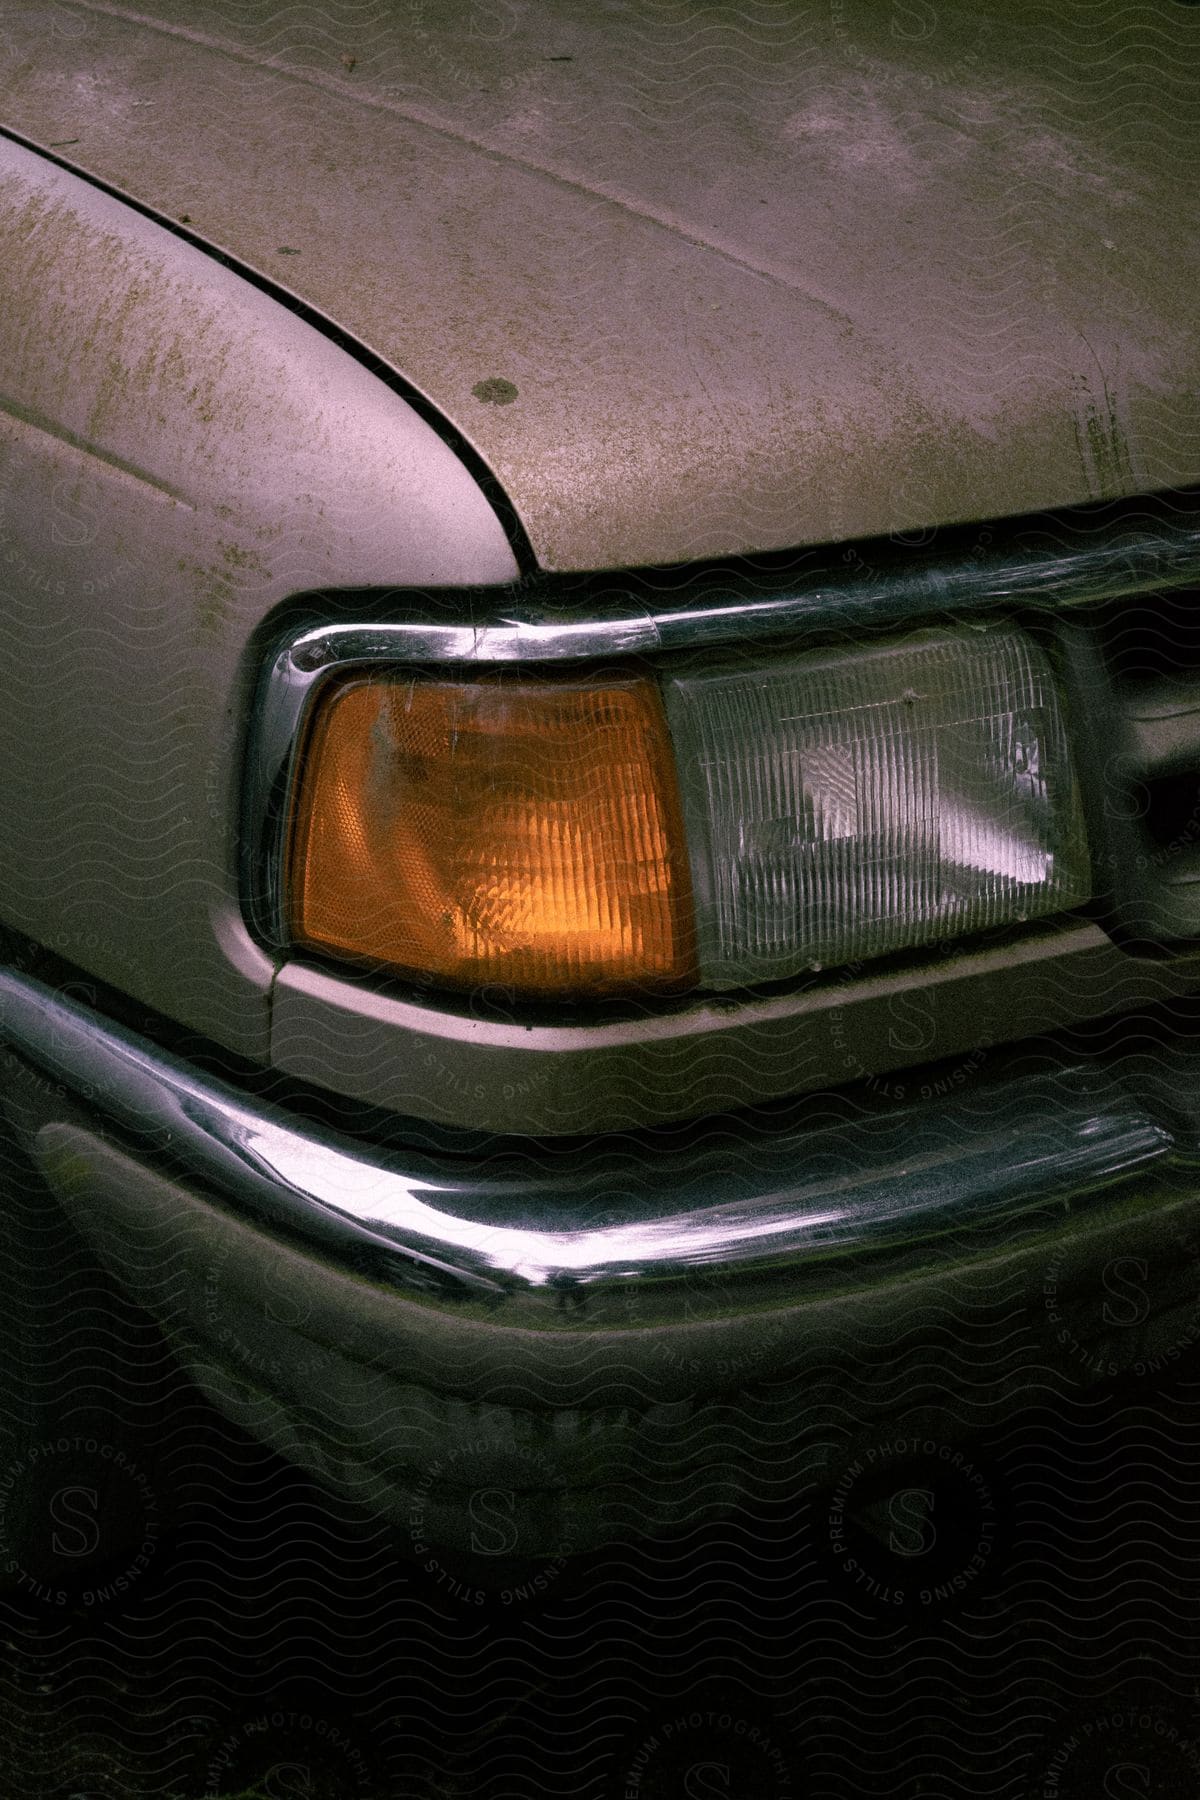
{"type": "Point", "coordinates": [501, 830]}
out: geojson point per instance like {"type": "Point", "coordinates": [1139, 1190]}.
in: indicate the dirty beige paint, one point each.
{"type": "Point", "coordinates": [692, 281]}
{"type": "Point", "coordinates": [744, 279]}
{"type": "Point", "coordinates": [178, 455]}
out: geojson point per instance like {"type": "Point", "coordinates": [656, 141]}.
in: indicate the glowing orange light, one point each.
{"type": "Point", "coordinates": [510, 831]}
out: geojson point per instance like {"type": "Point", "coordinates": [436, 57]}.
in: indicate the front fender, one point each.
{"type": "Point", "coordinates": [179, 452]}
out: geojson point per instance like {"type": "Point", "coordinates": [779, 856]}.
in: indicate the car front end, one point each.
{"type": "Point", "coordinates": [600, 811]}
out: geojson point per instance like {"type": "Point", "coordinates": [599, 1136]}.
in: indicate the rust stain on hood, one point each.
{"type": "Point", "coordinates": [697, 281]}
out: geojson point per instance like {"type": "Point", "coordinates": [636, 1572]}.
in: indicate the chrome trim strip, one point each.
{"type": "Point", "coordinates": [1105, 561]}
{"type": "Point", "coordinates": [586, 1238]}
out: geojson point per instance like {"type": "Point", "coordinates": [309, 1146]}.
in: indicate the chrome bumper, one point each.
{"type": "Point", "coordinates": [697, 1224]}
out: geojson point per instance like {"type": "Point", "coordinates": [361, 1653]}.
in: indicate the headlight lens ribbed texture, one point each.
{"type": "Point", "coordinates": [843, 804]}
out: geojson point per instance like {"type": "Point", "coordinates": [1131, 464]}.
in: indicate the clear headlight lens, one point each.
{"type": "Point", "coordinates": [843, 804]}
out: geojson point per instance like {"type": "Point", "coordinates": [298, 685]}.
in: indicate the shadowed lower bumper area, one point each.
{"type": "Point", "coordinates": [581, 1308]}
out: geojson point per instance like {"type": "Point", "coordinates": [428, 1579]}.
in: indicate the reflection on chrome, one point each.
{"type": "Point", "coordinates": [390, 1203]}
{"type": "Point", "coordinates": [746, 1207]}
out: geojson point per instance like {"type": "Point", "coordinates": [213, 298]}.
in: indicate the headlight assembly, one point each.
{"type": "Point", "coordinates": [567, 837]}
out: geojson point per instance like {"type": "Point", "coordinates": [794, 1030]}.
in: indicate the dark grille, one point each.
{"type": "Point", "coordinates": [1134, 667]}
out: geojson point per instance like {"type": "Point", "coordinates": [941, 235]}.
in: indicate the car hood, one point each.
{"type": "Point", "coordinates": [695, 281]}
